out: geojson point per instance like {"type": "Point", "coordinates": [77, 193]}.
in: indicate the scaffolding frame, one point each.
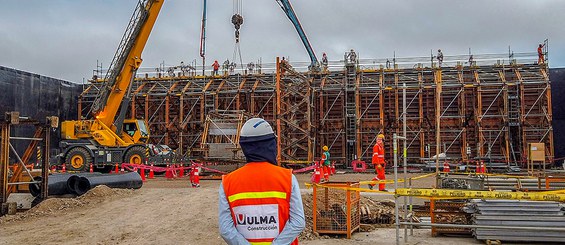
{"type": "Point", "coordinates": [10, 182]}
{"type": "Point", "coordinates": [490, 107]}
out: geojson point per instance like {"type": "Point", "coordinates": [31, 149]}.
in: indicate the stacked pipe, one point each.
{"type": "Point", "coordinates": [499, 183]}
{"type": "Point", "coordinates": [80, 183]}
{"type": "Point", "coordinates": [513, 184]}
{"type": "Point", "coordinates": [536, 218]}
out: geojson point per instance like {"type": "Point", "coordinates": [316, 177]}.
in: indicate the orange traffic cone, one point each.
{"type": "Point", "coordinates": [116, 169]}
{"type": "Point", "coordinates": [316, 175]}
{"type": "Point", "coordinates": [168, 173]}
{"type": "Point", "coordinates": [64, 170]}
{"type": "Point", "coordinates": [53, 169]}
{"type": "Point", "coordinates": [151, 172]}
{"type": "Point", "coordinates": [446, 168]}
{"type": "Point", "coordinates": [142, 174]}
{"type": "Point", "coordinates": [91, 169]}
{"type": "Point", "coordinates": [181, 171]}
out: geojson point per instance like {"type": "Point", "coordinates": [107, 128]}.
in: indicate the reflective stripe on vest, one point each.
{"type": "Point", "coordinates": [255, 195]}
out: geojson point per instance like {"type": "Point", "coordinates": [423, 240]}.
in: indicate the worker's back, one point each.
{"type": "Point", "coordinates": [259, 197]}
{"type": "Point", "coordinates": [255, 177]}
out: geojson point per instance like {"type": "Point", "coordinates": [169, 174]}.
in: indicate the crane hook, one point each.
{"type": "Point", "coordinates": [237, 21]}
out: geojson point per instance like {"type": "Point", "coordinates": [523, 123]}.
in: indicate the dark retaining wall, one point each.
{"type": "Point", "coordinates": [557, 78]}
{"type": "Point", "coordinates": [36, 96]}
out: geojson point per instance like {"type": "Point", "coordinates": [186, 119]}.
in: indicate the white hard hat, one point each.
{"type": "Point", "coordinates": [256, 129]}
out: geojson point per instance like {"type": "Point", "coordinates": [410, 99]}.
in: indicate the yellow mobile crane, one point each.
{"type": "Point", "coordinates": [108, 137]}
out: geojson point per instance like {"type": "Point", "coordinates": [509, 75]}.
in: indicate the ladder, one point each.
{"type": "Point", "coordinates": [514, 124]}
{"type": "Point", "coordinates": [350, 113]}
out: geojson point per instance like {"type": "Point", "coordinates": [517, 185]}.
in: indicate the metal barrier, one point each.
{"type": "Point", "coordinates": [336, 210]}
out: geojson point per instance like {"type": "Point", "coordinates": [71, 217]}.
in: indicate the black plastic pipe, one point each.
{"type": "Point", "coordinates": [130, 180]}
{"type": "Point", "coordinates": [62, 184]}
{"type": "Point", "coordinates": [57, 185]}
{"type": "Point", "coordinates": [71, 182]}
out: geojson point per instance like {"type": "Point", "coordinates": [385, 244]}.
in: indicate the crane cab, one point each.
{"type": "Point", "coordinates": [136, 129]}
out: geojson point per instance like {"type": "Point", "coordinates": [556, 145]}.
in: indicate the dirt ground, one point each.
{"type": "Point", "coordinates": [161, 212]}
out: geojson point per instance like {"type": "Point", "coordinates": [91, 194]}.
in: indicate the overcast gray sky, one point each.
{"type": "Point", "coordinates": [64, 38]}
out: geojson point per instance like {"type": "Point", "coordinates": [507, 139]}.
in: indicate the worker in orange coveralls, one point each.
{"type": "Point", "coordinates": [195, 176]}
{"type": "Point", "coordinates": [379, 161]}
{"type": "Point", "coordinates": [541, 60]}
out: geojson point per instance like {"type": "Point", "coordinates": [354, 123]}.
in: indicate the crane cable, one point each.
{"type": "Point", "coordinates": [237, 21]}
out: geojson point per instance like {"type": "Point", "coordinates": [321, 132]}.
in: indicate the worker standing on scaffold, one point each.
{"type": "Point", "coordinates": [216, 66]}
{"type": "Point", "coordinates": [325, 61]}
{"type": "Point", "coordinates": [379, 161]}
{"type": "Point", "coordinates": [541, 60]}
{"type": "Point", "coordinates": [326, 162]}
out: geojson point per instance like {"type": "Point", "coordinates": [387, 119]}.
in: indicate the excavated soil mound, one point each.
{"type": "Point", "coordinates": [102, 192]}
{"type": "Point", "coordinates": [53, 206]}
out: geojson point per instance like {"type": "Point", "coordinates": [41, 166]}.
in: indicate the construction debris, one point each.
{"type": "Point", "coordinates": [380, 213]}
{"type": "Point", "coordinates": [374, 214]}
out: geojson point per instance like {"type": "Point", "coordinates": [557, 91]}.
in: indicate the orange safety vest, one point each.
{"type": "Point", "coordinates": [378, 154]}
{"type": "Point", "coordinates": [259, 198]}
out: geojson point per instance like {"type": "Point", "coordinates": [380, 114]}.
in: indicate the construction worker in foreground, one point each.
{"type": "Point", "coordinates": [378, 161]}
{"type": "Point", "coordinates": [260, 203]}
{"type": "Point", "coordinates": [326, 162]}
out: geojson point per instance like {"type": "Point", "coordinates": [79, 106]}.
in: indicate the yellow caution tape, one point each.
{"type": "Point", "coordinates": [469, 194]}
{"type": "Point", "coordinates": [297, 162]}
{"type": "Point", "coordinates": [399, 180]}
{"type": "Point", "coordinates": [493, 175]}
{"type": "Point", "coordinates": [438, 194]}
{"type": "Point", "coordinates": [552, 195]}
{"type": "Point", "coordinates": [310, 185]}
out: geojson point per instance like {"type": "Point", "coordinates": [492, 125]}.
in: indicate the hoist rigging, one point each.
{"type": "Point", "coordinates": [237, 21]}
{"type": "Point", "coordinates": [203, 38]}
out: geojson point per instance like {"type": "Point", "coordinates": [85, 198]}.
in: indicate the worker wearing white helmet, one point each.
{"type": "Point", "coordinates": [260, 189]}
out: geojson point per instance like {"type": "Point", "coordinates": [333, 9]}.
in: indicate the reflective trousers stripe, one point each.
{"type": "Point", "coordinates": [260, 243]}
{"type": "Point", "coordinates": [257, 195]}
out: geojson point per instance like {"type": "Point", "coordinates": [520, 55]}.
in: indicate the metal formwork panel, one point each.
{"type": "Point", "coordinates": [484, 112]}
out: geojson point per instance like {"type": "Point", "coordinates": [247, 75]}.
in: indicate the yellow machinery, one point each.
{"type": "Point", "coordinates": [108, 137]}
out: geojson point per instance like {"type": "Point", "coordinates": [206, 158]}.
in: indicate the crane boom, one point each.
{"type": "Point", "coordinates": [126, 61]}
{"type": "Point", "coordinates": [289, 11]}
{"type": "Point", "coordinates": [109, 137]}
